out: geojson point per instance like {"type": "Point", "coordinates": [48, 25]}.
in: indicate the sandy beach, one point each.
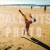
{"type": "Point", "coordinates": [19, 43]}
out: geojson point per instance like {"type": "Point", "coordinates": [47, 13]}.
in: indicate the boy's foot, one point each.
{"type": "Point", "coordinates": [23, 37]}
{"type": "Point", "coordinates": [28, 34]}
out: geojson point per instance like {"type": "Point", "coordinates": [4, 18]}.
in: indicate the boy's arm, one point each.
{"type": "Point", "coordinates": [30, 16]}
{"type": "Point", "coordinates": [21, 12]}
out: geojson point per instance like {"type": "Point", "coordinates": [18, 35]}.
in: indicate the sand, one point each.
{"type": "Point", "coordinates": [19, 43]}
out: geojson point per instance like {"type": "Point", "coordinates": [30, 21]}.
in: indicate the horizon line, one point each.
{"type": "Point", "coordinates": [25, 4]}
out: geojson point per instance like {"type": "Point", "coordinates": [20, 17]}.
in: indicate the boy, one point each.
{"type": "Point", "coordinates": [27, 22]}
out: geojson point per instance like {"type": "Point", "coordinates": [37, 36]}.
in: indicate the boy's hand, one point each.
{"type": "Point", "coordinates": [19, 10]}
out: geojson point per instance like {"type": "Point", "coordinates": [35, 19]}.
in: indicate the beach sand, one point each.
{"type": "Point", "coordinates": [19, 43]}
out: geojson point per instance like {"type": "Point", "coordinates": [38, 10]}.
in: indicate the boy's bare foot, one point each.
{"type": "Point", "coordinates": [28, 34]}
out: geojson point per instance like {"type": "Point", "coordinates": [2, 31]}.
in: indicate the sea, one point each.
{"type": "Point", "coordinates": [25, 5]}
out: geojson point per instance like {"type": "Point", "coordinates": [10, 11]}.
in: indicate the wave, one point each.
{"type": "Point", "coordinates": [26, 5]}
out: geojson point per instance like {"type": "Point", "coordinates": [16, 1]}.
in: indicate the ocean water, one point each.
{"type": "Point", "coordinates": [26, 5]}
{"type": "Point", "coordinates": [34, 6]}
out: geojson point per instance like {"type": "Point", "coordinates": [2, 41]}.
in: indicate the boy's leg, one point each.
{"type": "Point", "coordinates": [28, 33]}
{"type": "Point", "coordinates": [27, 28]}
{"type": "Point", "coordinates": [24, 32]}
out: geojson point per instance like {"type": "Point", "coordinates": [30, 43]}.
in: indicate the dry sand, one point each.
{"type": "Point", "coordinates": [19, 43]}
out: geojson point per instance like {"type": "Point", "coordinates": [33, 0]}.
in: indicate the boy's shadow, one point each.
{"type": "Point", "coordinates": [38, 42]}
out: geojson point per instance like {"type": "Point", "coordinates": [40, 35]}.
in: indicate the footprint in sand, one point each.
{"type": "Point", "coordinates": [19, 48]}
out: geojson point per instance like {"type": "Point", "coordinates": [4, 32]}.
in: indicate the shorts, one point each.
{"type": "Point", "coordinates": [28, 22]}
